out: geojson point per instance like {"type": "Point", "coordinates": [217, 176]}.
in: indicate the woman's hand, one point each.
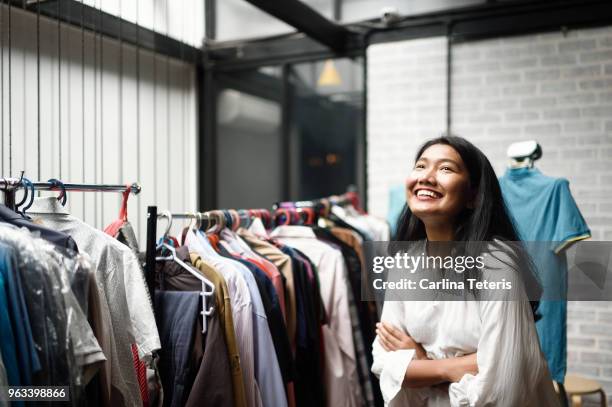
{"type": "Point", "coordinates": [392, 339]}
{"type": "Point", "coordinates": [458, 367]}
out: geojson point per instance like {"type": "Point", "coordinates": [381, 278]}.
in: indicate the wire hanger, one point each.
{"type": "Point", "coordinates": [208, 288]}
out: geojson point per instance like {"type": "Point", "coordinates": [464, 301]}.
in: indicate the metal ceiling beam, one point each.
{"type": "Point", "coordinates": [306, 20]}
{"type": "Point", "coordinates": [498, 19]}
{"type": "Point", "coordinates": [486, 20]}
{"type": "Point", "coordinates": [283, 49]}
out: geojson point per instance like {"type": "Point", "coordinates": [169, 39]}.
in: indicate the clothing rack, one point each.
{"type": "Point", "coordinates": [9, 187]}
{"type": "Point", "coordinates": [322, 204]}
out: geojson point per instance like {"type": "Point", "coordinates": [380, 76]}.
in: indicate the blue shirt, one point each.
{"type": "Point", "coordinates": [544, 210]}
{"type": "Point", "coordinates": [397, 201]}
{"type": "Point", "coordinates": [7, 339]}
{"type": "Point", "coordinates": [20, 320]}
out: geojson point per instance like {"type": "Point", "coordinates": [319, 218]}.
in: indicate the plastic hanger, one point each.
{"type": "Point", "coordinates": [29, 194]}
{"type": "Point", "coordinates": [62, 197]}
{"type": "Point", "coordinates": [208, 288]}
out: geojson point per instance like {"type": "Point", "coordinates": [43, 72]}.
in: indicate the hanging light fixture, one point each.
{"type": "Point", "coordinates": [329, 75]}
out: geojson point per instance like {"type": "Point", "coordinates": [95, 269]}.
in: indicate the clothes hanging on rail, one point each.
{"type": "Point", "coordinates": [263, 381]}
{"type": "Point", "coordinates": [288, 299]}
{"type": "Point", "coordinates": [125, 312]}
{"type": "Point", "coordinates": [122, 230]}
{"type": "Point", "coordinates": [286, 328]}
{"type": "Point", "coordinates": [208, 375]}
{"type": "Point", "coordinates": [44, 325]}
{"type": "Point", "coordinates": [340, 361]}
{"type": "Point", "coordinates": [283, 264]}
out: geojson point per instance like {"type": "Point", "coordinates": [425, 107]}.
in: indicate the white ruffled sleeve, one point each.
{"type": "Point", "coordinates": [510, 363]}
{"type": "Point", "coordinates": [390, 367]}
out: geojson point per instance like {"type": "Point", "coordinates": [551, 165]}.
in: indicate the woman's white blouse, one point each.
{"type": "Point", "coordinates": [511, 368]}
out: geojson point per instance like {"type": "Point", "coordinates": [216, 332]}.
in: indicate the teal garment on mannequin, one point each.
{"type": "Point", "coordinates": [397, 201]}
{"type": "Point", "coordinates": [545, 211]}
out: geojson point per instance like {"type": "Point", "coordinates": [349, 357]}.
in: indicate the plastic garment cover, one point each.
{"type": "Point", "coordinates": [61, 333]}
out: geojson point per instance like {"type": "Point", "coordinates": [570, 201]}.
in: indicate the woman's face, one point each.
{"type": "Point", "coordinates": [438, 187]}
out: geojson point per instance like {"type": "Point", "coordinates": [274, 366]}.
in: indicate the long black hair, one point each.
{"type": "Point", "coordinates": [487, 220]}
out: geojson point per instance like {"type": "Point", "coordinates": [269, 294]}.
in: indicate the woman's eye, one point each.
{"type": "Point", "coordinates": [446, 169]}
{"type": "Point", "coordinates": [419, 166]}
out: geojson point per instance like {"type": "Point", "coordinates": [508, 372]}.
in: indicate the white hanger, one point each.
{"type": "Point", "coordinates": [208, 288]}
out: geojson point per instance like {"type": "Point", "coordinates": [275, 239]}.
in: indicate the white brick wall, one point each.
{"type": "Point", "coordinates": [402, 111]}
{"type": "Point", "coordinates": [552, 87]}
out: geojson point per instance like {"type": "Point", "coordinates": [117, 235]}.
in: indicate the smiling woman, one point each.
{"type": "Point", "coordinates": [438, 189]}
{"type": "Point", "coordinates": [461, 353]}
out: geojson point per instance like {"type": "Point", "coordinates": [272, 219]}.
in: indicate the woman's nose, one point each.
{"type": "Point", "coordinates": [427, 176]}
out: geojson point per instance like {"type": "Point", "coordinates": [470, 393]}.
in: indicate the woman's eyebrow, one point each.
{"type": "Point", "coordinates": [441, 160]}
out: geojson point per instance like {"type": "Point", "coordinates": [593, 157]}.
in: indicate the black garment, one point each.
{"type": "Point", "coordinates": [309, 385]}
{"type": "Point", "coordinates": [59, 239]}
{"type": "Point", "coordinates": [274, 315]}
{"type": "Point", "coordinates": [209, 366]}
{"type": "Point", "coordinates": [175, 314]}
{"type": "Point", "coordinates": [212, 386]}
{"type": "Point", "coordinates": [340, 222]}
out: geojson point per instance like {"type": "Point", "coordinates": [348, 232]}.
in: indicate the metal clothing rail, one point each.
{"type": "Point", "coordinates": [10, 186]}
{"type": "Point", "coordinates": [340, 200]}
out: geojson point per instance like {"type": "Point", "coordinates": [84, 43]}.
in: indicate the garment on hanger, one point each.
{"type": "Point", "coordinates": [362, 320]}
{"type": "Point", "coordinates": [209, 376]}
{"type": "Point", "coordinates": [25, 355]}
{"type": "Point", "coordinates": [123, 297]}
{"type": "Point", "coordinates": [271, 304]}
{"type": "Point", "coordinates": [267, 370]}
{"type": "Point", "coordinates": [242, 250]}
{"type": "Point", "coordinates": [176, 314]}
{"type": "Point", "coordinates": [343, 387]}
{"type": "Point", "coordinates": [283, 264]}
{"type": "Point", "coordinates": [544, 210]}
{"type": "Point", "coordinates": [56, 237]}
{"type": "Point", "coordinates": [122, 230]}
{"type": "Point", "coordinates": [65, 345]}
{"type": "Point", "coordinates": [310, 386]}
{"type": "Point", "coordinates": [374, 228]}
{"type": "Point", "coordinates": [262, 378]}
{"type": "Point", "coordinates": [224, 311]}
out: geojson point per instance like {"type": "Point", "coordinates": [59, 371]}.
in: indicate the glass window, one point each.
{"type": "Point", "coordinates": [249, 141]}
{"type": "Point", "coordinates": [326, 130]}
